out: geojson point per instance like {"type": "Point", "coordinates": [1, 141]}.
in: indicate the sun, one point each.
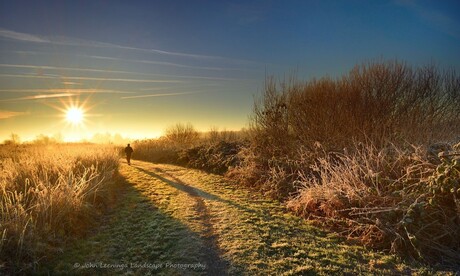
{"type": "Point", "coordinates": [74, 115]}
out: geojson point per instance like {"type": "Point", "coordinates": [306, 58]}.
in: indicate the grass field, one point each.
{"type": "Point", "coordinates": [163, 219]}
{"type": "Point", "coordinates": [49, 195]}
{"type": "Point", "coordinates": [171, 215]}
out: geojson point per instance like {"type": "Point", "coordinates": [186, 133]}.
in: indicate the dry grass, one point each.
{"type": "Point", "coordinates": [172, 214]}
{"type": "Point", "coordinates": [48, 195]}
{"type": "Point", "coordinates": [354, 150]}
{"type": "Point", "coordinates": [390, 199]}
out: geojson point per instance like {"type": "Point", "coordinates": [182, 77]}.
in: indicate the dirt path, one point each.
{"type": "Point", "coordinates": [214, 264]}
{"type": "Point", "coordinates": [176, 221]}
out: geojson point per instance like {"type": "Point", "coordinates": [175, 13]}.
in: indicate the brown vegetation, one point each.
{"type": "Point", "coordinates": [214, 151]}
{"type": "Point", "coordinates": [355, 152]}
{"type": "Point", "coordinates": [49, 194]}
{"type": "Point", "coordinates": [361, 154]}
{"type": "Point", "coordinates": [390, 198]}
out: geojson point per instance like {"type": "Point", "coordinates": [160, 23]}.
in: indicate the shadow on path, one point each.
{"type": "Point", "coordinates": [216, 265]}
{"type": "Point", "coordinates": [182, 186]}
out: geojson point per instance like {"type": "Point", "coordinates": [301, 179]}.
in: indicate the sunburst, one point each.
{"type": "Point", "coordinates": [75, 115]}
{"type": "Point", "coordinates": [74, 112]}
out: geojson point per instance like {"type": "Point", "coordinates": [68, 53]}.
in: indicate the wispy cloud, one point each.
{"type": "Point", "coordinates": [173, 64]}
{"type": "Point", "coordinates": [79, 42]}
{"type": "Point", "coordinates": [22, 36]}
{"type": "Point", "coordinates": [5, 114]}
{"type": "Point", "coordinates": [39, 97]}
{"type": "Point", "coordinates": [87, 78]}
{"type": "Point", "coordinates": [162, 95]}
{"type": "Point", "coordinates": [46, 67]}
{"type": "Point", "coordinates": [65, 90]}
{"type": "Point", "coordinates": [101, 44]}
{"type": "Point", "coordinates": [70, 83]}
{"type": "Point", "coordinates": [179, 87]}
{"type": "Point", "coordinates": [438, 19]}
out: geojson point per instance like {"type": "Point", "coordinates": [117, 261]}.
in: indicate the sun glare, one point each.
{"type": "Point", "coordinates": [74, 115]}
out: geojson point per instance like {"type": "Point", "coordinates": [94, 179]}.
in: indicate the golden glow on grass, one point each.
{"type": "Point", "coordinates": [74, 115]}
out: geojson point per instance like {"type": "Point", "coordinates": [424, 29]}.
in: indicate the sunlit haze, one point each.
{"type": "Point", "coordinates": [75, 69]}
{"type": "Point", "coordinates": [74, 115]}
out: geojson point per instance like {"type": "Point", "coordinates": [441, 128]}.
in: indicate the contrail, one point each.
{"type": "Point", "coordinates": [5, 114]}
{"type": "Point", "coordinates": [161, 95]}
{"type": "Point", "coordinates": [65, 90]}
{"type": "Point", "coordinates": [39, 97]}
{"type": "Point", "coordinates": [72, 42]}
{"type": "Point", "coordinates": [46, 67]}
{"type": "Point", "coordinates": [89, 78]}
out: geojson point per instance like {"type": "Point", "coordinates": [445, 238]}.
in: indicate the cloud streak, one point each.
{"type": "Point", "coordinates": [164, 63]}
{"type": "Point", "coordinates": [162, 95]}
{"type": "Point", "coordinates": [46, 67]}
{"type": "Point", "coordinates": [78, 42]}
{"type": "Point", "coordinates": [22, 36]}
{"type": "Point", "coordinates": [437, 19]}
{"type": "Point", "coordinates": [65, 90]}
{"type": "Point", "coordinates": [5, 114]}
{"type": "Point", "coordinates": [89, 78]}
{"type": "Point", "coordinates": [144, 61]}
{"type": "Point", "coordinates": [39, 97]}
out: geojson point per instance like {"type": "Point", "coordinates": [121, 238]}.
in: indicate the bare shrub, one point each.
{"type": "Point", "coordinates": [215, 157]}
{"type": "Point", "coordinates": [214, 135]}
{"type": "Point", "coordinates": [182, 135]}
{"type": "Point", "coordinates": [214, 151]}
{"type": "Point", "coordinates": [156, 150]}
{"type": "Point", "coordinates": [376, 102]}
{"type": "Point", "coordinates": [362, 153]}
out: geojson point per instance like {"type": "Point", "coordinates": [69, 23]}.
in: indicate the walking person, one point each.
{"type": "Point", "coordinates": [128, 151]}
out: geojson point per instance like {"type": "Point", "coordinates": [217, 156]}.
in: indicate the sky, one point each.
{"type": "Point", "coordinates": [137, 67]}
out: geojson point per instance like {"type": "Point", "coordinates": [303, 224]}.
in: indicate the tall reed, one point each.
{"type": "Point", "coordinates": [49, 194]}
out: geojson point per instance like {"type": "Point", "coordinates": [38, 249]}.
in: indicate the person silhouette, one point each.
{"type": "Point", "coordinates": [128, 151]}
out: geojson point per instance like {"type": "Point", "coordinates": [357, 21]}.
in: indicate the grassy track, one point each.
{"type": "Point", "coordinates": [177, 221]}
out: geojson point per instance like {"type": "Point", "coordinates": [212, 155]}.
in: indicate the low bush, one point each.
{"type": "Point", "coordinates": [214, 151]}
{"type": "Point", "coordinates": [360, 153]}
{"type": "Point", "coordinates": [216, 158]}
{"type": "Point", "coordinates": [392, 198]}
{"type": "Point", "coordinates": [377, 102]}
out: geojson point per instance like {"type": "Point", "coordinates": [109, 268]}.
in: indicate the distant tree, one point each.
{"type": "Point", "coordinates": [58, 137]}
{"type": "Point", "coordinates": [14, 140]}
{"type": "Point", "coordinates": [213, 134]}
{"type": "Point", "coordinates": [182, 135]}
{"type": "Point", "coordinates": [43, 139]}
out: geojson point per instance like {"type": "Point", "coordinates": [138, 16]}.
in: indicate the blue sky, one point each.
{"type": "Point", "coordinates": [138, 66]}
